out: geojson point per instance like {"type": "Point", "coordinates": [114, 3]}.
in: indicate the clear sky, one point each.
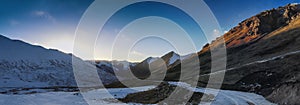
{"type": "Point", "coordinates": [52, 23]}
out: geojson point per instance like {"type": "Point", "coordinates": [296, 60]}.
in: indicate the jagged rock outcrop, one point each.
{"type": "Point", "coordinates": [163, 91]}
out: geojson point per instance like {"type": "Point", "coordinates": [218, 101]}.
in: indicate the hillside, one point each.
{"type": "Point", "coordinates": [262, 57]}
{"type": "Point", "coordinates": [256, 27]}
{"type": "Point", "coordinates": [266, 61]}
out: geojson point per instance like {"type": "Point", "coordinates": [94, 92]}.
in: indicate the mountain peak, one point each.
{"type": "Point", "coordinates": [171, 57]}
{"type": "Point", "coordinates": [256, 27]}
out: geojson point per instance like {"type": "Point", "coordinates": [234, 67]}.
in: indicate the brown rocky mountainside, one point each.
{"type": "Point", "coordinates": [256, 27]}
{"type": "Point", "coordinates": [263, 56]}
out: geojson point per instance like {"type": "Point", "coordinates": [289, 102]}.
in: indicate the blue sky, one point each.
{"type": "Point", "coordinates": [52, 23]}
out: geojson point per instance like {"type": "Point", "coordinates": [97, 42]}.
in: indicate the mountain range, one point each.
{"type": "Point", "coordinates": [28, 66]}
{"type": "Point", "coordinates": [262, 57]}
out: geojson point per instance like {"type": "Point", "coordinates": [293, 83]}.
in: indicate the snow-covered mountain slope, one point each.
{"type": "Point", "coordinates": [25, 65]}
{"type": "Point", "coordinates": [171, 58]}
{"type": "Point", "coordinates": [158, 64]}
{"type": "Point", "coordinates": [16, 50]}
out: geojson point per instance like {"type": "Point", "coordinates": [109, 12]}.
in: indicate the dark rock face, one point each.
{"type": "Point", "coordinates": [141, 70]}
{"type": "Point", "coordinates": [286, 94]}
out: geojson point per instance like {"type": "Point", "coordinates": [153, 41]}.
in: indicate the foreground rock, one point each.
{"type": "Point", "coordinates": [162, 92]}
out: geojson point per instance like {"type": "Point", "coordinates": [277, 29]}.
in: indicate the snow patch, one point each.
{"type": "Point", "coordinates": [174, 58]}
{"type": "Point", "coordinates": [152, 59]}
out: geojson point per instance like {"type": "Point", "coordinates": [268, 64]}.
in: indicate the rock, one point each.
{"type": "Point", "coordinates": [163, 91]}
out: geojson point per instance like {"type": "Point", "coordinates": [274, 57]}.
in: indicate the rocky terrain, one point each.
{"type": "Point", "coordinates": [163, 91]}
{"type": "Point", "coordinates": [262, 57]}
{"type": "Point", "coordinates": [268, 63]}
{"type": "Point", "coordinates": [258, 26]}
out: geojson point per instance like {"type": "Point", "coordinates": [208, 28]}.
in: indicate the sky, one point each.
{"type": "Point", "coordinates": [52, 24]}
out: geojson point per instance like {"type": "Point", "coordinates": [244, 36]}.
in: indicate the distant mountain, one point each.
{"type": "Point", "coordinates": [119, 69]}
{"type": "Point", "coordinates": [142, 70]}
{"type": "Point", "coordinates": [171, 58]}
{"type": "Point", "coordinates": [24, 66]}
{"type": "Point", "coordinates": [117, 65]}
{"type": "Point", "coordinates": [123, 69]}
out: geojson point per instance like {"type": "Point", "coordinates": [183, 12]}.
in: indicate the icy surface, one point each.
{"type": "Point", "coordinates": [107, 97]}
{"type": "Point", "coordinates": [226, 97]}
{"type": "Point", "coordinates": [95, 97]}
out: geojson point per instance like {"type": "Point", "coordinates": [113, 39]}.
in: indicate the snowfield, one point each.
{"type": "Point", "coordinates": [107, 97]}
{"type": "Point", "coordinates": [174, 58]}
{"type": "Point", "coordinates": [94, 97]}
{"type": "Point", "coordinates": [227, 97]}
